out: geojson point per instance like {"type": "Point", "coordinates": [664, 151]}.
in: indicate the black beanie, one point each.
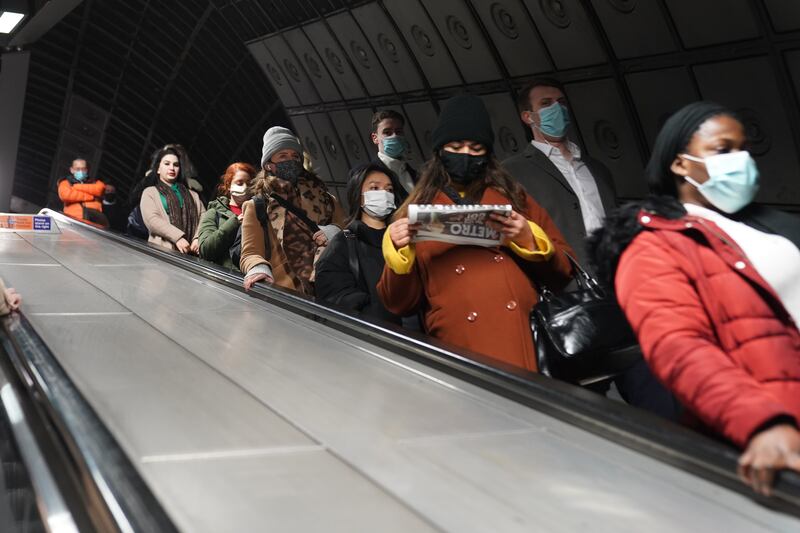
{"type": "Point", "coordinates": [463, 117]}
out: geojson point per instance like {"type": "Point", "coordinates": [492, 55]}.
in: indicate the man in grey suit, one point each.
{"type": "Point", "coordinates": [576, 190]}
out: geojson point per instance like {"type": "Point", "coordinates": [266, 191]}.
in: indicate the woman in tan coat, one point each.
{"type": "Point", "coordinates": [297, 217]}
{"type": "Point", "coordinates": [170, 210]}
{"type": "Point", "coordinates": [473, 297]}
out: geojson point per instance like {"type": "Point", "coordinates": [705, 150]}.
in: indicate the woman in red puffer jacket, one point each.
{"type": "Point", "coordinates": [711, 285]}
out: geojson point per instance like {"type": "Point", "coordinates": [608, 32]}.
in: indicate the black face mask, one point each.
{"type": "Point", "coordinates": [290, 170]}
{"type": "Point", "coordinates": [465, 168]}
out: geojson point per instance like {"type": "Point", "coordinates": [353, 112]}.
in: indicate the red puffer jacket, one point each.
{"type": "Point", "coordinates": [712, 330]}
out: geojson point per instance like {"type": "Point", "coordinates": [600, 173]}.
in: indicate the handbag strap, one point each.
{"type": "Point", "coordinates": [296, 211]}
{"type": "Point", "coordinates": [352, 253]}
{"type": "Point", "coordinates": [585, 280]}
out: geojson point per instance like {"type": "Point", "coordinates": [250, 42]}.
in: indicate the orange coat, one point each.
{"type": "Point", "coordinates": [79, 195]}
{"type": "Point", "coordinates": [479, 298]}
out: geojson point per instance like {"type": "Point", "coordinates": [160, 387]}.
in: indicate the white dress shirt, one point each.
{"type": "Point", "coordinates": [580, 179]}
{"type": "Point", "coordinates": [774, 257]}
{"type": "Point", "coordinates": [399, 167]}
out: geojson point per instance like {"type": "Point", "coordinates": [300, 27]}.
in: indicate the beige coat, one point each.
{"type": "Point", "coordinates": [254, 248]}
{"type": "Point", "coordinates": [156, 219]}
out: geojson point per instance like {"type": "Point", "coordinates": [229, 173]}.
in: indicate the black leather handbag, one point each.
{"type": "Point", "coordinates": [582, 336]}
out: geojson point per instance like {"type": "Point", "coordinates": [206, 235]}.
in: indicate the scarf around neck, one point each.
{"type": "Point", "coordinates": [183, 217]}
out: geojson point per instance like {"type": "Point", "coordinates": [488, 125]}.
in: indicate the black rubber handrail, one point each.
{"type": "Point", "coordinates": [625, 425]}
{"type": "Point", "coordinates": [103, 471]}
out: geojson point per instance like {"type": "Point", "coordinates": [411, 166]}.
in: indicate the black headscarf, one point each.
{"type": "Point", "coordinates": [672, 140]}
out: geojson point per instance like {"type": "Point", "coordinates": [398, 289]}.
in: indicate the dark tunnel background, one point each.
{"type": "Point", "coordinates": [116, 79]}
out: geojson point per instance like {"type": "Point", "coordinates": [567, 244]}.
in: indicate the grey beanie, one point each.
{"type": "Point", "coordinates": [277, 139]}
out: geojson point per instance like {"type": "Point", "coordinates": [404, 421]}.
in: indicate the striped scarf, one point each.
{"type": "Point", "coordinates": [183, 217]}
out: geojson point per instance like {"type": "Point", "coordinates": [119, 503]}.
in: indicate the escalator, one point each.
{"type": "Point", "coordinates": [145, 391]}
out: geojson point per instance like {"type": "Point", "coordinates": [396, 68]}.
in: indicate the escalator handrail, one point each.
{"type": "Point", "coordinates": [53, 509]}
{"type": "Point", "coordinates": [104, 470]}
{"type": "Point", "coordinates": [625, 425]}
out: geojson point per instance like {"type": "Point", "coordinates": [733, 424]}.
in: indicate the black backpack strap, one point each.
{"type": "Point", "coordinates": [352, 253]}
{"type": "Point", "coordinates": [261, 215]}
{"type": "Point", "coordinates": [296, 211]}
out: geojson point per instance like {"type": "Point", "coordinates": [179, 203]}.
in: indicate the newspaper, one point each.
{"type": "Point", "coordinates": [456, 224]}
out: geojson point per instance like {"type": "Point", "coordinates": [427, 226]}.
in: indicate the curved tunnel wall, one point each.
{"type": "Point", "coordinates": [627, 64]}
{"type": "Point", "coordinates": [118, 78]}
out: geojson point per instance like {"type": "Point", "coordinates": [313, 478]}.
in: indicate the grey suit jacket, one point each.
{"type": "Point", "coordinates": [545, 183]}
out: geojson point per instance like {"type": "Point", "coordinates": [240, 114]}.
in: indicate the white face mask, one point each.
{"type": "Point", "coordinates": [239, 193]}
{"type": "Point", "coordinates": [378, 204]}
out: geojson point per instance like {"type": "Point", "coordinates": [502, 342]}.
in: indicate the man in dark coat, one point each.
{"type": "Point", "coordinates": [576, 190]}
{"type": "Point", "coordinates": [388, 134]}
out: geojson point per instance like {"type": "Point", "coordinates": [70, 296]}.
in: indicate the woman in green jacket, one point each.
{"type": "Point", "coordinates": [220, 223]}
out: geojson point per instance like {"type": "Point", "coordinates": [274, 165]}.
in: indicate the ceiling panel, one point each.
{"type": "Point", "coordinates": [293, 71]}
{"type": "Point", "coordinates": [760, 107]}
{"type": "Point", "coordinates": [336, 60]}
{"type": "Point", "coordinates": [608, 136]}
{"type": "Point", "coordinates": [422, 116]}
{"type": "Point", "coordinates": [274, 72]}
{"type": "Point", "coordinates": [567, 32]}
{"type": "Point", "coordinates": [315, 68]}
{"type": "Point", "coordinates": [423, 38]}
{"type": "Point", "coordinates": [509, 134]}
{"type": "Point", "coordinates": [706, 22]}
{"type": "Point", "coordinates": [312, 145]}
{"type": "Point", "coordinates": [511, 30]}
{"type": "Point", "coordinates": [361, 54]}
{"type": "Point", "coordinates": [634, 28]}
{"type": "Point", "coordinates": [396, 59]}
{"type": "Point", "coordinates": [784, 14]}
{"type": "Point", "coordinates": [464, 39]}
{"type": "Point", "coordinates": [351, 138]}
{"type": "Point", "coordinates": [659, 93]}
{"type": "Point", "coordinates": [362, 118]}
{"type": "Point", "coordinates": [331, 146]}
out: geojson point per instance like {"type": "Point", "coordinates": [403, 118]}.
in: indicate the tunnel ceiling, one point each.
{"type": "Point", "coordinates": [121, 78]}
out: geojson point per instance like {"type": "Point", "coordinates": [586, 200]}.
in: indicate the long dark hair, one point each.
{"type": "Point", "coordinates": [151, 176]}
{"type": "Point", "coordinates": [434, 177]}
{"type": "Point", "coordinates": [355, 182]}
{"type": "Point", "coordinates": [156, 162]}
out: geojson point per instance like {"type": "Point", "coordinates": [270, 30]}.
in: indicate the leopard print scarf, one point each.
{"type": "Point", "coordinates": [294, 236]}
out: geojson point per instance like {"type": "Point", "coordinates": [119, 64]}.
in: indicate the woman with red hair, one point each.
{"type": "Point", "coordinates": [221, 221]}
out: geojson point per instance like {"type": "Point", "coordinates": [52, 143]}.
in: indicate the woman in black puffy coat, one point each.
{"type": "Point", "coordinates": [349, 269]}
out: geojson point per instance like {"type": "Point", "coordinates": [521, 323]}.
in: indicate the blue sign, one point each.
{"type": "Point", "coordinates": [41, 223]}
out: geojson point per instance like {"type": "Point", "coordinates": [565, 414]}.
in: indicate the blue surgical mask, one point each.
{"type": "Point", "coordinates": [81, 175]}
{"type": "Point", "coordinates": [732, 180]}
{"type": "Point", "coordinates": [395, 146]}
{"type": "Point", "coordinates": [553, 120]}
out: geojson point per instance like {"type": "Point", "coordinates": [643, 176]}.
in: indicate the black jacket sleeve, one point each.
{"type": "Point", "coordinates": [334, 280]}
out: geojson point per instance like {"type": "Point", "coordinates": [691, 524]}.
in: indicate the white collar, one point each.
{"type": "Point", "coordinates": [703, 212]}
{"type": "Point", "coordinates": [547, 149]}
{"type": "Point", "coordinates": [395, 165]}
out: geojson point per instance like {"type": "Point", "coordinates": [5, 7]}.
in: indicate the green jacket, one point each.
{"type": "Point", "coordinates": [218, 227]}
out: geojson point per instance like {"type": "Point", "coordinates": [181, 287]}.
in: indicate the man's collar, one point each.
{"type": "Point", "coordinates": [395, 165]}
{"type": "Point", "coordinates": [547, 149]}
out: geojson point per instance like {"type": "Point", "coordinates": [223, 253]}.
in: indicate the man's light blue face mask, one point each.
{"type": "Point", "coordinates": [553, 120]}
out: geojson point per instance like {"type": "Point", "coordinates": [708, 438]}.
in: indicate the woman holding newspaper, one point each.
{"type": "Point", "coordinates": [471, 262]}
